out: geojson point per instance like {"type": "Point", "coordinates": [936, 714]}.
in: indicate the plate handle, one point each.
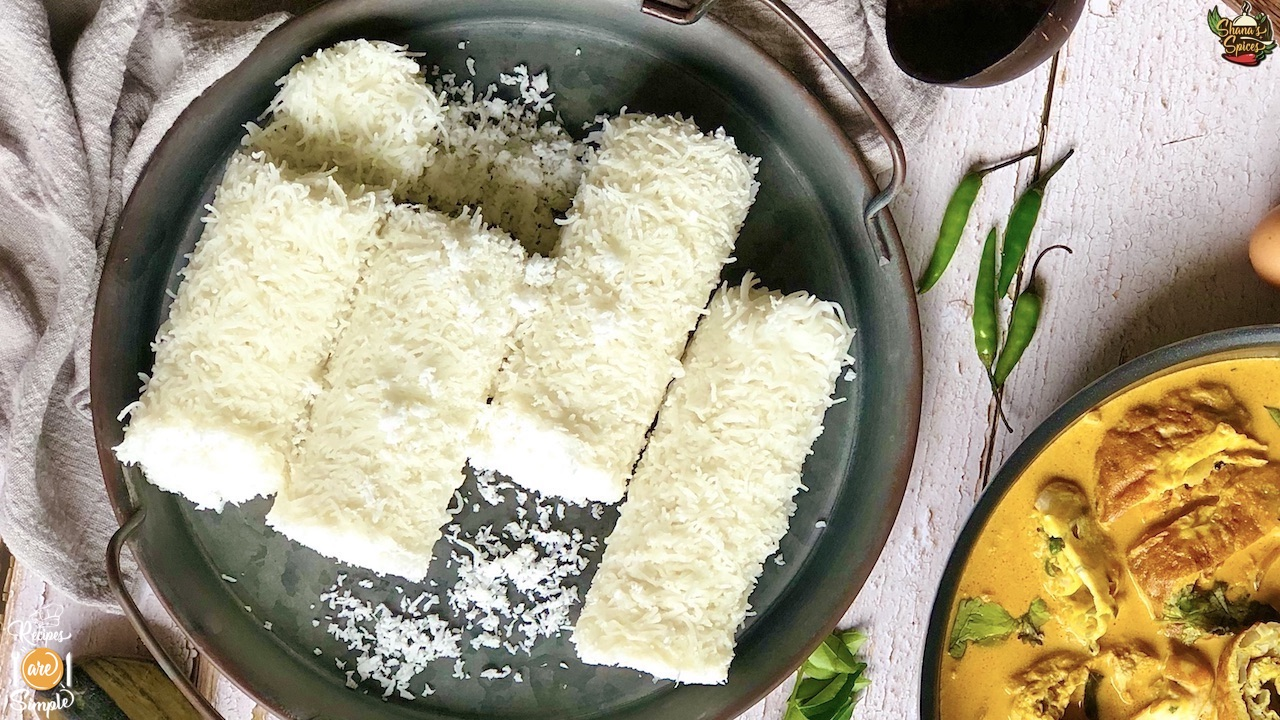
{"type": "Point", "coordinates": [872, 212]}
{"type": "Point", "coordinates": [116, 580]}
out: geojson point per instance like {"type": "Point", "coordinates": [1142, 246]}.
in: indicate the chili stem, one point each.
{"type": "Point", "coordinates": [998, 394]}
{"type": "Point", "coordinates": [1011, 161]}
{"type": "Point", "coordinates": [1053, 169]}
{"type": "Point", "coordinates": [1035, 265]}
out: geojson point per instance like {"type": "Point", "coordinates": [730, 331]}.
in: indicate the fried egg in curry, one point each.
{"type": "Point", "coordinates": [1143, 541]}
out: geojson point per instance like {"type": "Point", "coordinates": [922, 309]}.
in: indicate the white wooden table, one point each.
{"type": "Point", "coordinates": [1177, 156]}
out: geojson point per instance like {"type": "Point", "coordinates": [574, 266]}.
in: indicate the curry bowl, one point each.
{"type": "Point", "coordinates": [1122, 559]}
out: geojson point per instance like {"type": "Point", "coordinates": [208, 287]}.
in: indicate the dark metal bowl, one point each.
{"type": "Point", "coordinates": [976, 43]}
{"type": "Point", "coordinates": [806, 231]}
{"type": "Point", "coordinates": [1246, 342]}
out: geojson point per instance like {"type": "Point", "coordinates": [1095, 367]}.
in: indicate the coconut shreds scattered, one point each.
{"type": "Point", "coordinates": [504, 155]}
{"type": "Point", "coordinates": [392, 646]}
{"type": "Point", "coordinates": [528, 560]}
{"type": "Point", "coordinates": [515, 586]}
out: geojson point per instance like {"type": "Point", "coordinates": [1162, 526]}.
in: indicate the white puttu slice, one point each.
{"type": "Point", "coordinates": [373, 476]}
{"type": "Point", "coordinates": [713, 494]}
{"type": "Point", "coordinates": [360, 106]}
{"type": "Point", "coordinates": [239, 359]}
{"type": "Point", "coordinates": [501, 156]}
{"type": "Point", "coordinates": [655, 219]}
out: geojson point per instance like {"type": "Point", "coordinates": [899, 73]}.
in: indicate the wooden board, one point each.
{"type": "Point", "coordinates": [1177, 156]}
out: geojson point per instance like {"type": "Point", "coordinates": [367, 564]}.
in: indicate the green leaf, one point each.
{"type": "Point", "coordinates": [794, 713]}
{"type": "Point", "coordinates": [809, 687]}
{"type": "Point", "coordinates": [1091, 696]}
{"type": "Point", "coordinates": [831, 658]}
{"type": "Point", "coordinates": [828, 684]}
{"type": "Point", "coordinates": [838, 711]}
{"type": "Point", "coordinates": [1274, 413]}
{"type": "Point", "coordinates": [1032, 621]}
{"type": "Point", "coordinates": [845, 661]}
{"type": "Point", "coordinates": [847, 711]}
{"type": "Point", "coordinates": [830, 692]}
{"type": "Point", "coordinates": [981, 622]}
{"type": "Point", "coordinates": [853, 639]}
{"type": "Point", "coordinates": [1194, 613]}
{"type": "Point", "coordinates": [1056, 546]}
{"type": "Point", "coordinates": [811, 671]}
{"type": "Point", "coordinates": [1038, 613]}
{"type": "Point", "coordinates": [822, 660]}
{"type": "Point", "coordinates": [841, 694]}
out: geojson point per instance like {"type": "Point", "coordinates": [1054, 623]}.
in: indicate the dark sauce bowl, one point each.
{"type": "Point", "coordinates": [976, 43]}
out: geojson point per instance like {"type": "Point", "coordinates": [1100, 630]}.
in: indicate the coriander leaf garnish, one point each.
{"type": "Point", "coordinates": [1194, 613]}
{"type": "Point", "coordinates": [1056, 545]}
{"type": "Point", "coordinates": [829, 683]}
{"type": "Point", "coordinates": [981, 622]}
{"type": "Point", "coordinates": [1030, 624]}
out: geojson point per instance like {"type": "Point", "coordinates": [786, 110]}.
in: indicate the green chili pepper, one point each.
{"type": "Point", "coordinates": [954, 220]}
{"type": "Point", "coordinates": [1022, 328]}
{"type": "Point", "coordinates": [1022, 220]}
{"type": "Point", "coordinates": [985, 327]}
{"type": "Point", "coordinates": [1023, 321]}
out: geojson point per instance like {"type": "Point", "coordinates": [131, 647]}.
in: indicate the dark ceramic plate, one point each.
{"type": "Point", "coordinates": [1247, 342]}
{"type": "Point", "coordinates": [805, 232]}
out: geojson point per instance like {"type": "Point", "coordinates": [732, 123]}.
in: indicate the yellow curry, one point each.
{"type": "Point", "coordinates": [1140, 547]}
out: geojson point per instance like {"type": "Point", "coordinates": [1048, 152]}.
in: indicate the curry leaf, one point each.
{"type": "Point", "coordinates": [842, 710]}
{"type": "Point", "coordinates": [845, 662]}
{"type": "Point", "coordinates": [794, 713]}
{"type": "Point", "coordinates": [828, 684]}
{"type": "Point", "coordinates": [1274, 413]}
{"type": "Point", "coordinates": [816, 673]}
{"type": "Point", "coordinates": [845, 713]}
{"type": "Point", "coordinates": [831, 658]}
{"type": "Point", "coordinates": [808, 687]}
{"type": "Point", "coordinates": [1091, 696]}
{"type": "Point", "coordinates": [853, 639]}
{"type": "Point", "coordinates": [828, 693]}
{"type": "Point", "coordinates": [841, 694]}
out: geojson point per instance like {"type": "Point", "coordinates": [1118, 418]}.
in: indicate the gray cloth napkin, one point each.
{"type": "Point", "coordinates": [73, 139]}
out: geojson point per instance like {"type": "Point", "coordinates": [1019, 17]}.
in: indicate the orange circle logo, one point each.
{"type": "Point", "coordinates": [42, 669]}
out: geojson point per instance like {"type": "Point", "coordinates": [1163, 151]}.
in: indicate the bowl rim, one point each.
{"type": "Point", "coordinates": [119, 489]}
{"type": "Point", "coordinates": [1051, 31]}
{"type": "Point", "coordinates": [1191, 352]}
